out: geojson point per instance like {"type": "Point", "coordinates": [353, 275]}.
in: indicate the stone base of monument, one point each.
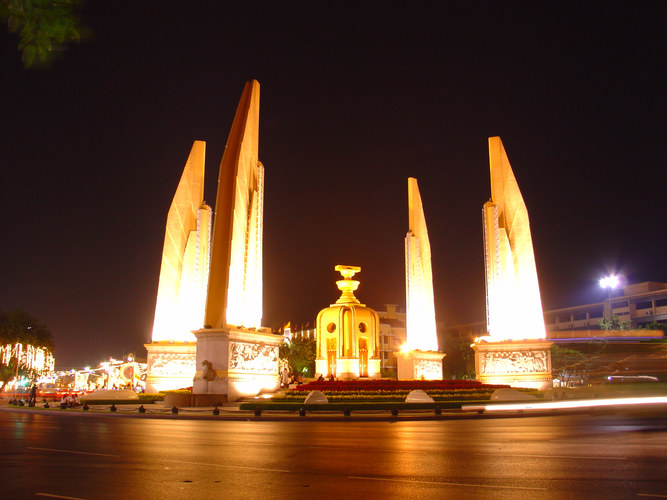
{"type": "Point", "coordinates": [170, 365]}
{"type": "Point", "coordinates": [349, 368]}
{"type": "Point", "coordinates": [419, 365]}
{"type": "Point", "coordinates": [518, 363]}
{"type": "Point", "coordinates": [233, 364]}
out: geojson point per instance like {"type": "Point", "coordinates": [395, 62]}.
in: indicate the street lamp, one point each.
{"type": "Point", "coordinates": [610, 282]}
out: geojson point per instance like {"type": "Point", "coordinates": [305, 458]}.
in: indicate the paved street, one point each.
{"type": "Point", "coordinates": [99, 456]}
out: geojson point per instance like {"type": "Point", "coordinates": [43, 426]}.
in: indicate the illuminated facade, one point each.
{"type": "Point", "coordinates": [514, 307]}
{"type": "Point", "coordinates": [183, 280]}
{"type": "Point", "coordinates": [347, 334]}
{"type": "Point", "coordinates": [515, 352]}
{"type": "Point", "coordinates": [235, 356]}
{"type": "Point", "coordinates": [420, 309]}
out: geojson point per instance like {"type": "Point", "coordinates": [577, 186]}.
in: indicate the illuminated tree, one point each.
{"type": "Point", "coordinates": [22, 334]}
{"type": "Point", "coordinates": [300, 354]}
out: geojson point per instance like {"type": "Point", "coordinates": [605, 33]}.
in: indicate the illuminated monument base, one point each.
{"type": "Point", "coordinates": [519, 363]}
{"type": "Point", "coordinates": [233, 364]}
{"type": "Point", "coordinates": [171, 365]}
{"type": "Point", "coordinates": [348, 368]}
{"type": "Point", "coordinates": [419, 365]}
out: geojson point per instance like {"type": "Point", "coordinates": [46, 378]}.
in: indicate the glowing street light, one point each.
{"type": "Point", "coordinates": [610, 282]}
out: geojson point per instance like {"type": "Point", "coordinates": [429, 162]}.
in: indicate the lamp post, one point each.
{"type": "Point", "coordinates": [610, 282]}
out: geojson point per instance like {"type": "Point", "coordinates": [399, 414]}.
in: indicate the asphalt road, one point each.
{"type": "Point", "coordinates": [100, 456]}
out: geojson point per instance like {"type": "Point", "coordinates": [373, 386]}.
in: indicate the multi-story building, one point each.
{"type": "Point", "coordinates": [392, 337]}
{"type": "Point", "coordinates": [638, 305]}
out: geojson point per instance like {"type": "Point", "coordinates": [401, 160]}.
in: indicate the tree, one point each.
{"type": "Point", "coordinates": [655, 325]}
{"type": "Point", "coordinates": [19, 327]}
{"type": "Point", "coordinates": [459, 361]}
{"type": "Point", "coordinates": [299, 353]}
{"type": "Point", "coordinates": [614, 323]}
{"type": "Point", "coordinates": [567, 364]}
{"type": "Point", "coordinates": [43, 26]}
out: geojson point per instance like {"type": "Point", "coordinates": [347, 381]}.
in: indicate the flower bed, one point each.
{"type": "Point", "coordinates": [397, 385]}
{"type": "Point", "coordinates": [393, 390]}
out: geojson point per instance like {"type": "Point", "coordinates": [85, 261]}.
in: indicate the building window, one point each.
{"type": "Point", "coordinates": [618, 305]}
{"type": "Point", "coordinates": [644, 305]}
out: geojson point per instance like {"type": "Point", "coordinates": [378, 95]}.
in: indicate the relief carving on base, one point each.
{"type": "Point", "coordinates": [171, 364]}
{"type": "Point", "coordinates": [253, 357]}
{"type": "Point", "coordinates": [514, 362]}
{"type": "Point", "coordinates": [428, 369]}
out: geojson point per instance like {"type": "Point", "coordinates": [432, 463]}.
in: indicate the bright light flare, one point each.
{"type": "Point", "coordinates": [405, 349]}
{"type": "Point", "coordinates": [610, 281]}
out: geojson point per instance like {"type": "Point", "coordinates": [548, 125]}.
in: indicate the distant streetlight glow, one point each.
{"type": "Point", "coordinates": [610, 282]}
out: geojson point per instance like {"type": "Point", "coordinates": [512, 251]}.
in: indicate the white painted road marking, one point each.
{"type": "Point", "coordinates": [58, 496]}
{"type": "Point", "coordinates": [443, 483]}
{"type": "Point", "coordinates": [552, 456]}
{"type": "Point", "coordinates": [76, 452]}
{"type": "Point", "coordinates": [223, 465]}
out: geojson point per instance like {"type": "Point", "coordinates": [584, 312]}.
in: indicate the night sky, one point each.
{"type": "Point", "coordinates": [355, 98]}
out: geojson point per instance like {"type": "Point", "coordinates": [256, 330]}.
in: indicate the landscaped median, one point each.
{"type": "Point", "coordinates": [380, 395]}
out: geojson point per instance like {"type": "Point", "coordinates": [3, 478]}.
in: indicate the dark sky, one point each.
{"type": "Point", "coordinates": [355, 98]}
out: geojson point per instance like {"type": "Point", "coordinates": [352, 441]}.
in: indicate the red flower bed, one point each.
{"type": "Point", "coordinates": [396, 385]}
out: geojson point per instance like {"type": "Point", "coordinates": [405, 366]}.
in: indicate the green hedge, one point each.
{"type": "Point", "coordinates": [354, 405]}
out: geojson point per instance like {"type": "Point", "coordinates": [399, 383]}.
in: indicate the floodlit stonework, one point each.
{"type": "Point", "coordinates": [515, 352]}
{"type": "Point", "coordinates": [347, 337]}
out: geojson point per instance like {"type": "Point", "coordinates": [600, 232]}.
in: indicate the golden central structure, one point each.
{"type": "Point", "coordinates": [210, 291]}
{"type": "Point", "coordinates": [347, 338]}
{"type": "Point", "coordinates": [419, 358]}
{"type": "Point", "coordinates": [515, 351]}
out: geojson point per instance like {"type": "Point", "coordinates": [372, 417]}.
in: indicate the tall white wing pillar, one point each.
{"type": "Point", "coordinates": [514, 307]}
{"type": "Point", "coordinates": [235, 281]}
{"type": "Point", "coordinates": [185, 256]}
{"type": "Point", "coordinates": [420, 309]}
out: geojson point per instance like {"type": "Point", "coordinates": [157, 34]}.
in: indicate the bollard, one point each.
{"type": "Point", "coordinates": [302, 412]}
{"type": "Point", "coordinates": [142, 409]}
{"type": "Point", "coordinates": [113, 407]}
{"type": "Point", "coordinates": [258, 412]}
{"type": "Point", "coordinates": [394, 412]}
{"type": "Point", "coordinates": [438, 410]}
{"type": "Point", "coordinates": [86, 407]}
{"type": "Point", "coordinates": [216, 411]}
{"type": "Point", "coordinates": [174, 410]}
{"type": "Point", "coordinates": [346, 411]}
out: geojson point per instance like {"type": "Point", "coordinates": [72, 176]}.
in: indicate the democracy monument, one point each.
{"type": "Point", "coordinates": [207, 331]}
